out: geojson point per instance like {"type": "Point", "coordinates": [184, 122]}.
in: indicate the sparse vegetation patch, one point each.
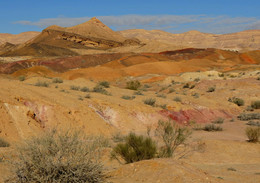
{"type": "Point", "coordinates": [4, 143]}
{"type": "Point", "coordinates": [135, 148]}
{"type": "Point", "coordinates": [150, 101]}
{"type": "Point", "coordinates": [237, 101]}
{"type": "Point", "coordinates": [253, 134]}
{"type": "Point", "coordinates": [255, 104]}
{"type": "Point", "coordinates": [172, 136]}
{"type": "Point", "coordinates": [57, 80]}
{"type": "Point", "coordinates": [105, 84]}
{"type": "Point", "coordinates": [59, 157]}
{"type": "Point", "coordinates": [133, 85]}
{"type": "Point", "coordinates": [41, 84]}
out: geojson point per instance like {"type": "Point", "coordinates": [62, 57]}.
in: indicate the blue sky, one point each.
{"type": "Point", "coordinates": [212, 16]}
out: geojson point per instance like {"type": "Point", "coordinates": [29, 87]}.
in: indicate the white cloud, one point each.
{"type": "Point", "coordinates": [172, 23]}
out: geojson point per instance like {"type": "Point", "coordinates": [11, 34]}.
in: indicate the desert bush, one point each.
{"type": "Point", "coordinates": [84, 89]}
{"type": "Point", "coordinates": [133, 85]}
{"type": "Point", "coordinates": [138, 93]}
{"type": "Point", "coordinates": [172, 136]}
{"type": "Point", "coordinates": [163, 106]}
{"type": "Point", "coordinates": [127, 97]}
{"type": "Point", "coordinates": [147, 86]}
{"type": "Point", "coordinates": [197, 79]}
{"type": "Point", "coordinates": [258, 78]}
{"type": "Point", "coordinates": [171, 90]}
{"type": "Point", "coordinates": [135, 148]}
{"type": "Point", "coordinates": [161, 95]}
{"type": "Point", "coordinates": [253, 123]}
{"type": "Point", "coordinates": [221, 74]}
{"type": "Point", "coordinates": [4, 143]}
{"type": "Point", "coordinates": [212, 127]}
{"type": "Point", "coordinates": [80, 98]}
{"type": "Point", "coordinates": [248, 116]}
{"type": "Point", "coordinates": [231, 169]}
{"type": "Point", "coordinates": [163, 88]}
{"type": "Point", "coordinates": [150, 101]}
{"type": "Point", "coordinates": [192, 86]}
{"type": "Point", "coordinates": [196, 95]}
{"type": "Point", "coordinates": [249, 108]}
{"type": "Point", "coordinates": [177, 99]}
{"type": "Point", "coordinates": [187, 85]}
{"type": "Point", "coordinates": [106, 84]}
{"type": "Point", "coordinates": [237, 101]}
{"type": "Point", "coordinates": [21, 78]}
{"type": "Point", "coordinates": [73, 87]}
{"type": "Point", "coordinates": [211, 89]}
{"type": "Point", "coordinates": [87, 96]}
{"type": "Point", "coordinates": [253, 134]}
{"type": "Point", "coordinates": [41, 84]}
{"type": "Point", "coordinates": [255, 104]}
{"type": "Point", "coordinates": [59, 157]}
{"type": "Point", "coordinates": [57, 80]}
{"type": "Point", "coordinates": [218, 121]}
{"type": "Point", "coordinates": [100, 89]}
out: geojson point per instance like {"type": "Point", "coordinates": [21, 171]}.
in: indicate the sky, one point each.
{"type": "Point", "coordinates": [209, 16]}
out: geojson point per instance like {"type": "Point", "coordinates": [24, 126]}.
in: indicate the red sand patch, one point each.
{"type": "Point", "coordinates": [198, 115]}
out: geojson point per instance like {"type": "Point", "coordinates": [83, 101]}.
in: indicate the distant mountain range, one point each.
{"type": "Point", "coordinates": [95, 37]}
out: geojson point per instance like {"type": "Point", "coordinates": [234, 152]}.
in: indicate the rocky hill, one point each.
{"type": "Point", "coordinates": [17, 38]}
{"type": "Point", "coordinates": [59, 41]}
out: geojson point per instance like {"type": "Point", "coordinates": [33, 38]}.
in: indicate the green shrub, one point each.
{"type": "Point", "coordinates": [57, 80]}
{"type": "Point", "coordinates": [84, 89]}
{"type": "Point", "coordinates": [59, 157]}
{"type": "Point", "coordinates": [21, 78]}
{"type": "Point", "coordinates": [237, 101]}
{"type": "Point", "coordinates": [211, 89]}
{"type": "Point", "coordinates": [126, 97]}
{"type": "Point", "coordinates": [177, 99]}
{"type": "Point", "coordinates": [150, 101]}
{"type": "Point", "coordinates": [161, 95]}
{"type": "Point", "coordinates": [133, 85]}
{"type": "Point", "coordinates": [255, 104]}
{"type": "Point", "coordinates": [218, 121]}
{"type": "Point", "coordinates": [172, 136]}
{"type": "Point", "coordinates": [4, 143]}
{"type": "Point", "coordinates": [73, 87]}
{"type": "Point", "coordinates": [212, 127]}
{"type": "Point", "coordinates": [41, 84]}
{"type": "Point", "coordinates": [106, 84]}
{"type": "Point", "coordinates": [253, 134]}
{"type": "Point", "coordinates": [248, 116]}
{"type": "Point", "coordinates": [135, 148]}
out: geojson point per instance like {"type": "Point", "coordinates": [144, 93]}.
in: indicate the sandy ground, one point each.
{"type": "Point", "coordinates": [224, 156]}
